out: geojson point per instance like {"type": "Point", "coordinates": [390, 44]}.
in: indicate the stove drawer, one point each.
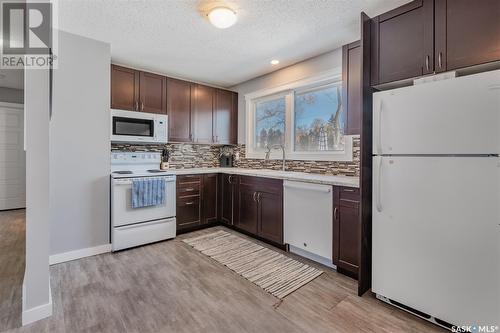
{"type": "Point", "coordinates": [142, 233]}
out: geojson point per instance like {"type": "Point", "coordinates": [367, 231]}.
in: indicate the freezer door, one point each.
{"type": "Point", "coordinates": [455, 116]}
{"type": "Point", "coordinates": [436, 236]}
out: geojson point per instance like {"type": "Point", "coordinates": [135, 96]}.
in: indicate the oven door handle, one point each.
{"type": "Point", "coordinates": [129, 182]}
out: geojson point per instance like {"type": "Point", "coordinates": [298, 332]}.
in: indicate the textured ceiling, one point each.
{"type": "Point", "coordinates": [174, 37]}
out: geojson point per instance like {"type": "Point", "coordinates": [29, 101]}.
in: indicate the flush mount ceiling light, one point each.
{"type": "Point", "coordinates": [275, 62]}
{"type": "Point", "coordinates": [222, 17]}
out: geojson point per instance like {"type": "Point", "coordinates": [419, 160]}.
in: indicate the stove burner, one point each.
{"type": "Point", "coordinates": [123, 172]}
{"type": "Point", "coordinates": [156, 171]}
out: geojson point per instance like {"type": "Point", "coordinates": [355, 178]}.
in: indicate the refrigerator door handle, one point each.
{"type": "Point", "coordinates": [378, 201]}
{"type": "Point", "coordinates": [379, 128]}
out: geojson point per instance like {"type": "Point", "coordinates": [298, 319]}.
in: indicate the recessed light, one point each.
{"type": "Point", "coordinates": [222, 17]}
{"type": "Point", "coordinates": [275, 62]}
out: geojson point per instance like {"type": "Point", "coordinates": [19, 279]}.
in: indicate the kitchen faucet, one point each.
{"type": "Point", "coordinates": [268, 153]}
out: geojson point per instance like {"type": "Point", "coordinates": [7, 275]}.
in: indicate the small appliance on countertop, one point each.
{"type": "Point", "coordinates": [226, 157]}
{"type": "Point", "coordinates": [137, 226]}
{"type": "Point", "coordinates": [165, 156]}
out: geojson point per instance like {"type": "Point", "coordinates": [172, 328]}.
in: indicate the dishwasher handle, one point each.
{"type": "Point", "coordinates": [308, 187]}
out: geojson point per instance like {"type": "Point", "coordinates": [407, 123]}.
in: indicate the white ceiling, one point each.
{"type": "Point", "coordinates": [12, 78]}
{"type": "Point", "coordinates": [175, 38]}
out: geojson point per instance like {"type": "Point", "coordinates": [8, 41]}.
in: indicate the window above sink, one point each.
{"type": "Point", "coordinates": [306, 117]}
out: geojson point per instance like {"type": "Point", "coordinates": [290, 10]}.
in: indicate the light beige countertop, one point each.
{"type": "Point", "coordinates": [277, 174]}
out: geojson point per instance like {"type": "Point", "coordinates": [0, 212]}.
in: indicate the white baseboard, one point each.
{"type": "Point", "coordinates": [311, 256]}
{"type": "Point", "coordinates": [38, 312]}
{"type": "Point", "coordinates": [77, 254]}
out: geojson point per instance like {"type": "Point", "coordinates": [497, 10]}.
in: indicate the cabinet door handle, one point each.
{"type": "Point", "coordinates": [136, 106]}
{"type": "Point", "coordinates": [348, 190]}
{"type": "Point", "coordinates": [189, 189]}
{"type": "Point", "coordinates": [335, 213]}
{"type": "Point", "coordinates": [254, 194]}
{"type": "Point", "coordinates": [189, 203]}
{"type": "Point", "coordinates": [258, 196]}
{"type": "Point", "coordinates": [142, 106]}
{"type": "Point", "coordinates": [427, 60]}
{"type": "Point", "coordinates": [440, 60]}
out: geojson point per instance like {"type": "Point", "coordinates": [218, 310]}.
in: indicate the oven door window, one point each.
{"type": "Point", "coordinates": [133, 127]}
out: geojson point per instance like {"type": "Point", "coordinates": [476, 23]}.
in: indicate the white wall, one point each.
{"type": "Point", "coordinates": [80, 147]}
{"type": "Point", "coordinates": [36, 291]}
{"type": "Point", "coordinates": [307, 68]}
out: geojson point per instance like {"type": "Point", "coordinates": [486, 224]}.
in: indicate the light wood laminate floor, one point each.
{"type": "Point", "coordinates": [170, 287]}
{"type": "Point", "coordinates": [12, 254]}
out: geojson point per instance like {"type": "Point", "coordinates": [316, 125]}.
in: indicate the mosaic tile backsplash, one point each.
{"type": "Point", "coordinates": [184, 156]}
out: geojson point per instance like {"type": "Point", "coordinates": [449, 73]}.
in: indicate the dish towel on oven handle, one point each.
{"type": "Point", "coordinates": [148, 192]}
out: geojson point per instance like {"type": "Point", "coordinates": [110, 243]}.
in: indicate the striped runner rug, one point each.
{"type": "Point", "coordinates": [269, 269]}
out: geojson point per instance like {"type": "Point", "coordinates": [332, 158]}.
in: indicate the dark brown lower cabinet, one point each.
{"type": "Point", "coordinates": [251, 204]}
{"type": "Point", "coordinates": [346, 230]}
{"type": "Point", "coordinates": [188, 201]}
{"type": "Point", "coordinates": [247, 208]}
{"type": "Point", "coordinates": [188, 212]}
{"type": "Point", "coordinates": [260, 207]}
{"type": "Point", "coordinates": [227, 195]}
{"type": "Point", "coordinates": [209, 198]}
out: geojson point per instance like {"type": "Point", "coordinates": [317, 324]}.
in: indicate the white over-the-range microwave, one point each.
{"type": "Point", "coordinates": [138, 127]}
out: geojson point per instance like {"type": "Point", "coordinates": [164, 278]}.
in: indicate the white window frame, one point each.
{"type": "Point", "coordinates": [325, 79]}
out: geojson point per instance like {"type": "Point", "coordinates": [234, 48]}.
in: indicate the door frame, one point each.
{"type": "Point", "coordinates": [20, 107]}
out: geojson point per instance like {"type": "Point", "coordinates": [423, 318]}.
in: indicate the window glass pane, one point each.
{"type": "Point", "coordinates": [269, 122]}
{"type": "Point", "coordinates": [319, 120]}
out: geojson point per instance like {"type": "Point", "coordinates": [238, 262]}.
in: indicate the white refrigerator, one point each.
{"type": "Point", "coordinates": [436, 198]}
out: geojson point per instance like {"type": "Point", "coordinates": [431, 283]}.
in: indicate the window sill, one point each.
{"type": "Point", "coordinates": [344, 156]}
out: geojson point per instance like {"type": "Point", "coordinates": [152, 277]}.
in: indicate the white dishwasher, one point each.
{"type": "Point", "coordinates": [308, 218]}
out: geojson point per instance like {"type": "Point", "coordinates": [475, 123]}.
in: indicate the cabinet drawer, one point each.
{"type": "Point", "coordinates": [349, 197]}
{"type": "Point", "coordinates": [188, 211]}
{"type": "Point", "coordinates": [188, 189]}
{"type": "Point", "coordinates": [187, 179]}
{"type": "Point", "coordinates": [269, 185]}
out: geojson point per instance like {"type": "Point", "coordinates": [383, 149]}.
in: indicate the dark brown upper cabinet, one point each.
{"type": "Point", "coordinates": [179, 110]}
{"type": "Point", "coordinates": [351, 86]}
{"type": "Point", "coordinates": [202, 106]}
{"type": "Point", "coordinates": [225, 117]}
{"type": "Point", "coordinates": [137, 91]}
{"type": "Point", "coordinates": [152, 93]}
{"type": "Point", "coordinates": [124, 88]}
{"type": "Point", "coordinates": [403, 42]}
{"type": "Point", "coordinates": [467, 33]}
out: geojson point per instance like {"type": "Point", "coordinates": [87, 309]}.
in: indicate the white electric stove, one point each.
{"type": "Point", "coordinates": [132, 227]}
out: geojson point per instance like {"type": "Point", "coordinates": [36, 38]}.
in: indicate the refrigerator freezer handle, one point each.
{"type": "Point", "coordinates": [378, 199]}
{"type": "Point", "coordinates": [379, 127]}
